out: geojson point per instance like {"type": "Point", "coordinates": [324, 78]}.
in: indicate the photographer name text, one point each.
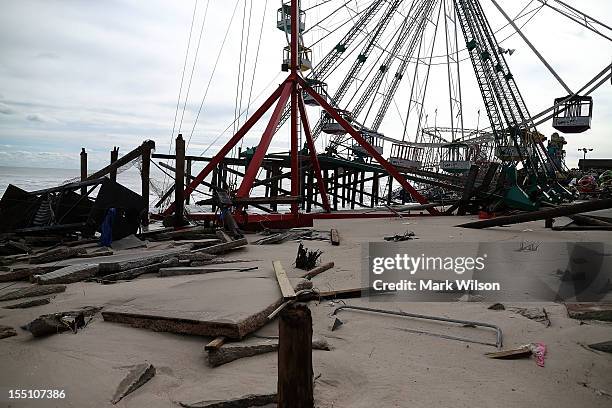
{"type": "Point", "coordinates": [435, 286]}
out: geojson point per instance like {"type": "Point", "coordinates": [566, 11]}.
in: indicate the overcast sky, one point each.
{"type": "Point", "coordinates": [98, 74]}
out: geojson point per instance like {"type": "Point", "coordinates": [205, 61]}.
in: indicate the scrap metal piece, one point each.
{"type": "Point", "coordinates": [498, 332]}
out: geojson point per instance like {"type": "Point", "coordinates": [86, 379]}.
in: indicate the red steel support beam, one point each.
{"type": "Point", "coordinates": [295, 165]}
{"type": "Point", "coordinates": [313, 155]}
{"type": "Point", "coordinates": [355, 135]}
{"type": "Point", "coordinates": [255, 164]}
{"type": "Point", "coordinates": [230, 145]}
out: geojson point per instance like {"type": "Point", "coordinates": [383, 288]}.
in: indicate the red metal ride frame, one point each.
{"type": "Point", "coordinates": [291, 88]}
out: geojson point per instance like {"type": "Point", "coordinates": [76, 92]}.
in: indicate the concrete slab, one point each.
{"type": "Point", "coordinates": [231, 304]}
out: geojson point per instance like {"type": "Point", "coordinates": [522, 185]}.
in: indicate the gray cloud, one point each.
{"type": "Point", "coordinates": [35, 118]}
{"type": "Point", "coordinates": [98, 74]}
{"type": "Point", "coordinates": [6, 110]}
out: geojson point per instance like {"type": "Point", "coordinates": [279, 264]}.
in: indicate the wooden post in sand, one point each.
{"type": "Point", "coordinates": [295, 375]}
{"type": "Point", "coordinates": [83, 170]}
{"type": "Point", "coordinates": [179, 181]}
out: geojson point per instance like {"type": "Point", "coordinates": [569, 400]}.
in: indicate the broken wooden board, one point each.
{"type": "Point", "coordinates": [60, 322]}
{"type": "Point", "coordinates": [247, 401]}
{"type": "Point", "coordinates": [283, 281]}
{"type": "Point", "coordinates": [510, 354]}
{"type": "Point", "coordinates": [318, 270]}
{"type": "Point", "coordinates": [26, 272]}
{"type": "Point", "coordinates": [590, 311]}
{"type": "Point", "coordinates": [334, 237]}
{"type": "Point", "coordinates": [196, 256]}
{"type": "Point", "coordinates": [33, 291]}
{"type": "Point", "coordinates": [605, 346]}
{"type": "Point", "coordinates": [106, 268]}
{"type": "Point", "coordinates": [230, 304]}
{"type": "Point", "coordinates": [201, 243]}
{"type": "Point", "coordinates": [190, 270]}
{"type": "Point", "coordinates": [29, 303]}
{"type": "Point", "coordinates": [133, 273]}
{"type": "Point", "coordinates": [224, 247]}
{"type": "Point", "coordinates": [197, 232]}
{"type": "Point", "coordinates": [57, 254]}
{"type": "Point", "coordinates": [251, 347]}
{"type": "Point", "coordinates": [135, 379]}
{"type": "Point", "coordinates": [534, 313]}
{"type": "Point", "coordinates": [220, 261]}
{"type": "Point", "coordinates": [7, 331]}
{"type": "Point", "coordinates": [341, 294]}
{"type": "Point", "coordinates": [97, 253]}
{"type": "Point", "coordinates": [67, 274]}
{"type": "Point", "coordinates": [215, 344]}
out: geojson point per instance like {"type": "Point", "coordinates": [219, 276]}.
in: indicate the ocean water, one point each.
{"type": "Point", "coordinates": [31, 179]}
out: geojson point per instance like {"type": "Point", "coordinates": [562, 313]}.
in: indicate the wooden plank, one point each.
{"type": "Point", "coordinates": [123, 160]}
{"type": "Point", "coordinates": [335, 237]}
{"type": "Point", "coordinates": [106, 268]}
{"type": "Point", "coordinates": [186, 233]}
{"type": "Point", "coordinates": [251, 347]}
{"type": "Point", "coordinates": [283, 281]}
{"type": "Point", "coordinates": [562, 210]}
{"type": "Point", "coordinates": [133, 273]}
{"type": "Point", "coordinates": [605, 346]}
{"type": "Point", "coordinates": [25, 273]}
{"type": "Point", "coordinates": [6, 331]}
{"type": "Point", "coordinates": [178, 271]}
{"type": "Point", "coordinates": [33, 291]}
{"type": "Point", "coordinates": [215, 344]}
{"type": "Point", "coordinates": [583, 220]}
{"type": "Point", "coordinates": [224, 247]}
{"type": "Point", "coordinates": [318, 270]}
{"type": "Point", "coordinates": [250, 400]}
{"type": "Point", "coordinates": [201, 243]}
{"type": "Point", "coordinates": [29, 303]}
{"type": "Point", "coordinates": [68, 274]}
{"type": "Point", "coordinates": [520, 352]}
{"type": "Point", "coordinates": [590, 311]}
{"type": "Point", "coordinates": [57, 254]}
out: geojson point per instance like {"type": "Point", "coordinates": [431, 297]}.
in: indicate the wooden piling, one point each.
{"type": "Point", "coordinates": [276, 171]}
{"type": "Point", "coordinates": [83, 170]}
{"type": "Point", "coordinates": [179, 181]}
{"type": "Point", "coordinates": [295, 374]}
{"type": "Point", "coordinates": [374, 199]}
{"type": "Point", "coordinates": [336, 176]}
{"type": "Point", "coordinates": [188, 178]}
{"type": "Point", "coordinates": [145, 174]}
{"type": "Point", "coordinates": [310, 192]}
{"type": "Point", "coordinates": [114, 155]}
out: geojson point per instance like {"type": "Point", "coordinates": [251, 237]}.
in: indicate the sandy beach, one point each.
{"type": "Point", "coordinates": [372, 361]}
